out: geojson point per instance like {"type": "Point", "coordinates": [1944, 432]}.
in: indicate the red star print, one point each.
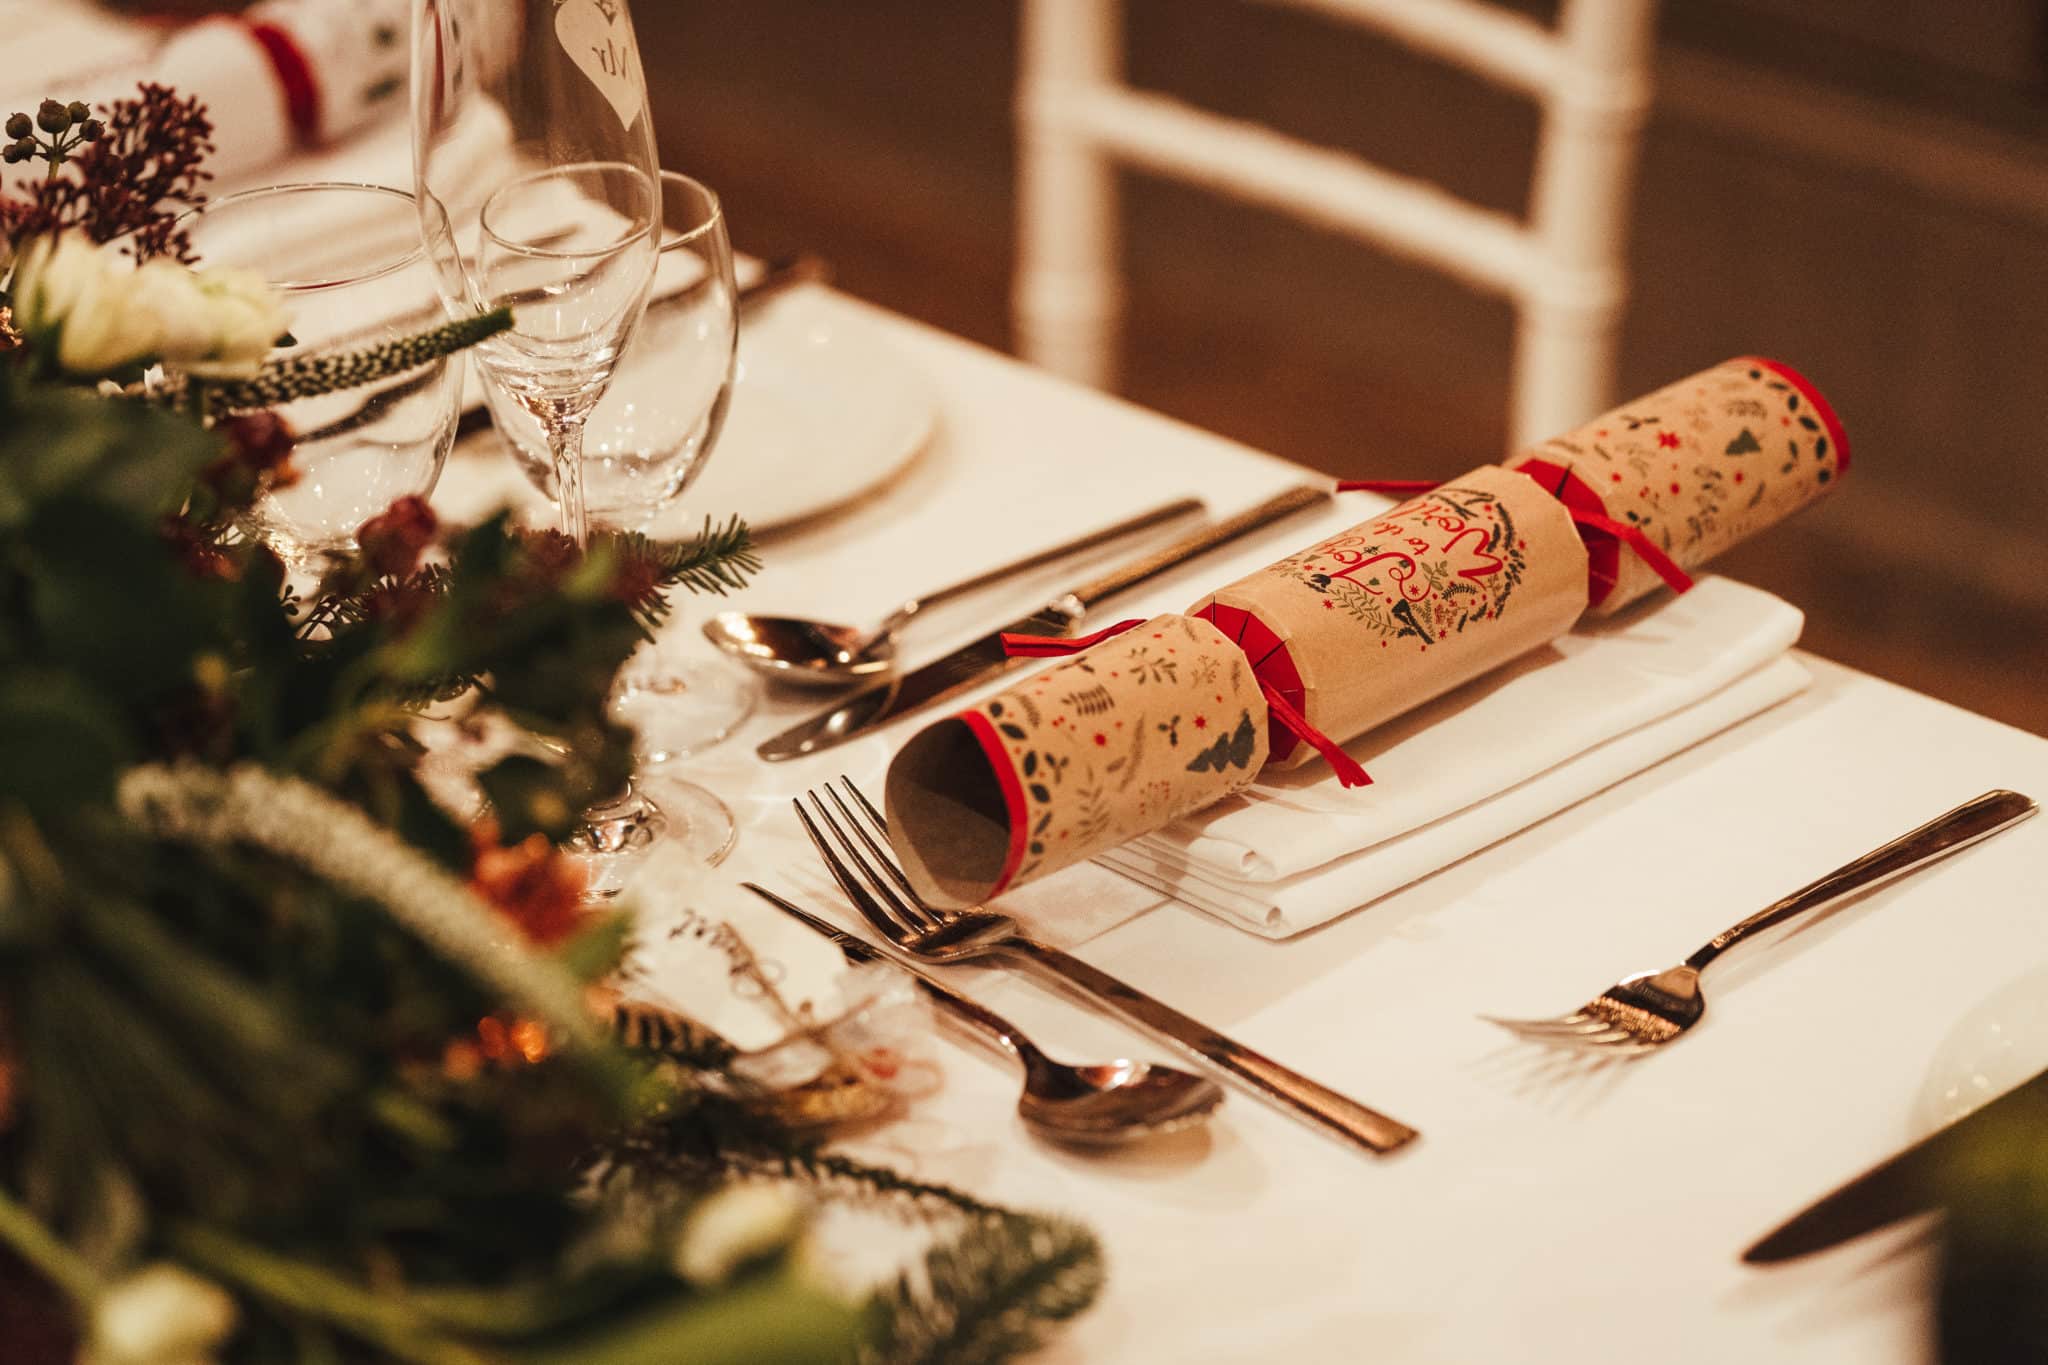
{"type": "Point", "coordinates": [1617, 478]}
{"type": "Point", "coordinates": [1328, 605]}
{"type": "Point", "coordinates": [1101, 739]}
{"type": "Point", "coordinates": [1201, 722]}
{"type": "Point", "coordinates": [1668, 439]}
{"type": "Point", "coordinates": [1674, 488]}
{"type": "Point", "coordinates": [1738, 476]}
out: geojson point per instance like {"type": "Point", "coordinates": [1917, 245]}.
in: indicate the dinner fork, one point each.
{"type": "Point", "coordinates": [1641, 1013]}
{"type": "Point", "coordinates": [867, 872]}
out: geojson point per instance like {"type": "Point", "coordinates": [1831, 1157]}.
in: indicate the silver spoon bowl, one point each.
{"type": "Point", "coordinates": [1107, 1105]}
{"type": "Point", "coordinates": [1111, 1104]}
{"type": "Point", "coordinates": [793, 649]}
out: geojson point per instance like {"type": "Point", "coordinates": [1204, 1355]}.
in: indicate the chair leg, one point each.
{"type": "Point", "coordinates": [1067, 295]}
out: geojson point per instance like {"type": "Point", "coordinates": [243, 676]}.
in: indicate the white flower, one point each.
{"type": "Point", "coordinates": [50, 279]}
{"type": "Point", "coordinates": [106, 314]}
{"type": "Point", "coordinates": [738, 1224]}
{"type": "Point", "coordinates": [171, 294]}
{"type": "Point", "coordinates": [163, 1314]}
{"type": "Point", "coordinates": [246, 319]}
{"type": "Point", "coordinates": [105, 328]}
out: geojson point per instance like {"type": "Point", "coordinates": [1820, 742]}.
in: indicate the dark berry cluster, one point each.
{"type": "Point", "coordinates": [67, 127]}
{"type": "Point", "coordinates": [126, 175]}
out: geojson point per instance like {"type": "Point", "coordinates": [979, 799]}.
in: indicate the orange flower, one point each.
{"type": "Point", "coordinates": [536, 885]}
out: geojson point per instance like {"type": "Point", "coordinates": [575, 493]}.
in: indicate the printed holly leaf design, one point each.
{"type": "Point", "coordinates": [1745, 444]}
{"type": "Point", "coordinates": [1233, 750]}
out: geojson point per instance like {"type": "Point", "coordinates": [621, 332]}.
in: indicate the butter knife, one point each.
{"type": "Point", "coordinates": [898, 695]}
{"type": "Point", "coordinates": [1908, 1184]}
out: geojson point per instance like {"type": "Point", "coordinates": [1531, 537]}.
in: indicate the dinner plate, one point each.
{"type": "Point", "coordinates": [1998, 1043]}
{"type": "Point", "coordinates": [823, 411]}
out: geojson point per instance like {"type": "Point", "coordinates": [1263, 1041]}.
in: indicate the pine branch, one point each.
{"type": "Point", "coordinates": [284, 381]}
{"type": "Point", "coordinates": [991, 1293]}
{"type": "Point", "coordinates": [718, 560]}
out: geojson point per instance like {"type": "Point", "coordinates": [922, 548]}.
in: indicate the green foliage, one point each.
{"type": "Point", "coordinates": [286, 381]}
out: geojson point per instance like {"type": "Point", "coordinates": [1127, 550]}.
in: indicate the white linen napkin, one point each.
{"type": "Point", "coordinates": [1608, 700]}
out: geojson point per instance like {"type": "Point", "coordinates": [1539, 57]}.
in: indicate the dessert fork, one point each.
{"type": "Point", "coordinates": [867, 872]}
{"type": "Point", "coordinates": [1643, 1012]}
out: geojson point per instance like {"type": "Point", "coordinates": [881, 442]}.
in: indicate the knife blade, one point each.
{"type": "Point", "coordinates": [977, 661]}
{"type": "Point", "coordinates": [1907, 1184]}
{"type": "Point", "coordinates": [853, 949]}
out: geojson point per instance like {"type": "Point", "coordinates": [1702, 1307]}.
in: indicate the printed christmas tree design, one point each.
{"type": "Point", "coordinates": [1233, 750]}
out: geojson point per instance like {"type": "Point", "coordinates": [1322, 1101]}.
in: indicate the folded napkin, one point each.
{"type": "Point", "coordinates": [1608, 700]}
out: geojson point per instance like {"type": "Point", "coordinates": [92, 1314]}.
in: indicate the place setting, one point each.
{"type": "Point", "coordinates": [427, 935]}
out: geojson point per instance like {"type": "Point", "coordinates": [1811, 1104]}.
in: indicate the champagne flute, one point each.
{"type": "Point", "coordinates": [534, 171]}
{"type": "Point", "coordinates": [644, 442]}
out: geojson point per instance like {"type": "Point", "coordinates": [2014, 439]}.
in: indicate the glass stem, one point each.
{"type": "Point", "coordinates": [565, 443]}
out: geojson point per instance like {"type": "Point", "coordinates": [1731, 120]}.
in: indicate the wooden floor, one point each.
{"type": "Point", "coordinates": [879, 136]}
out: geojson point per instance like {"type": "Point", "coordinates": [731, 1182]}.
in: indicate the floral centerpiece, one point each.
{"type": "Point", "coordinates": [294, 1063]}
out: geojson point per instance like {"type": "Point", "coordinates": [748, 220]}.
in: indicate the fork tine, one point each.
{"type": "Point", "coordinates": [1571, 1025]}
{"type": "Point", "coordinates": [884, 855]}
{"type": "Point", "coordinates": [907, 913]}
{"type": "Point", "coordinates": [870, 909]}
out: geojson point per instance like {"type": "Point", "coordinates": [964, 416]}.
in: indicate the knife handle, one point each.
{"type": "Point", "coordinates": [1199, 542]}
{"type": "Point", "coordinates": [1337, 1114]}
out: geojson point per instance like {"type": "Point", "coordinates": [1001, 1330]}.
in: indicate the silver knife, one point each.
{"type": "Point", "coordinates": [1913, 1182]}
{"type": "Point", "coordinates": [900, 694]}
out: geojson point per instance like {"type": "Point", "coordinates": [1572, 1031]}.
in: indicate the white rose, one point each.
{"type": "Point", "coordinates": [738, 1224]}
{"type": "Point", "coordinates": [246, 317]}
{"type": "Point", "coordinates": [171, 294]}
{"type": "Point", "coordinates": [52, 274]}
{"type": "Point", "coordinates": [106, 329]}
{"type": "Point", "coordinates": [163, 1314]}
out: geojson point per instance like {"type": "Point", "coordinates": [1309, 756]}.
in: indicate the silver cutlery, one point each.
{"type": "Point", "coordinates": [1917, 1180]}
{"type": "Point", "coordinates": [1643, 1012]}
{"type": "Point", "coordinates": [900, 694]}
{"type": "Point", "coordinates": [823, 654]}
{"type": "Point", "coordinates": [866, 871]}
{"type": "Point", "coordinates": [1094, 1106]}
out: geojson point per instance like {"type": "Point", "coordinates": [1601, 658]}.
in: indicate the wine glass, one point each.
{"type": "Point", "coordinates": [348, 262]}
{"type": "Point", "coordinates": [556, 216]}
{"type": "Point", "coordinates": [647, 440]}
{"type": "Point", "coordinates": [535, 174]}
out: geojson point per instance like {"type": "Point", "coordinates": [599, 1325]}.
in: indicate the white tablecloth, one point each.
{"type": "Point", "coordinates": [1539, 1217]}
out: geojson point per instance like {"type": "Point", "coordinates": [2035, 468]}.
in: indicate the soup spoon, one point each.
{"type": "Point", "coordinates": [1104, 1105]}
{"type": "Point", "coordinates": [810, 653]}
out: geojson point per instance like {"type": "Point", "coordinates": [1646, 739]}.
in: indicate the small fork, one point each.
{"type": "Point", "coordinates": [867, 872]}
{"type": "Point", "coordinates": [1641, 1013]}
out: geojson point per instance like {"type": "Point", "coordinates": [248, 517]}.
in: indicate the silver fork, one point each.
{"type": "Point", "coordinates": [1643, 1012]}
{"type": "Point", "coordinates": [866, 871]}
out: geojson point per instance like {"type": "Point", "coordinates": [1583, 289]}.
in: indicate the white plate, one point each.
{"type": "Point", "coordinates": [2000, 1042]}
{"type": "Point", "coordinates": [822, 412]}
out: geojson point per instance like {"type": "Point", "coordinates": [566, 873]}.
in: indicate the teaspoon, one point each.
{"type": "Point", "coordinates": [793, 649]}
{"type": "Point", "coordinates": [1089, 1106]}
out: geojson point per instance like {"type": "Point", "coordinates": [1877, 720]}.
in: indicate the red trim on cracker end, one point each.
{"type": "Point", "coordinates": [1817, 399]}
{"type": "Point", "coordinates": [991, 743]}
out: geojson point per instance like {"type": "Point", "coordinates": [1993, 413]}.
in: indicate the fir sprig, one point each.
{"type": "Point", "coordinates": [990, 1294]}
{"type": "Point", "coordinates": [286, 381]}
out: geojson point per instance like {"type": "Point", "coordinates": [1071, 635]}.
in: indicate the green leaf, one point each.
{"type": "Point", "coordinates": [128, 455]}
{"type": "Point", "coordinates": [771, 1320]}
{"type": "Point", "coordinates": [64, 743]}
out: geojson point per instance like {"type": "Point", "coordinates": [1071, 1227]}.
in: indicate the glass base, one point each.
{"type": "Point", "coordinates": [683, 707]}
{"type": "Point", "coordinates": [616, 836]}
{"type": "Point", "coordinates": [698, 822]}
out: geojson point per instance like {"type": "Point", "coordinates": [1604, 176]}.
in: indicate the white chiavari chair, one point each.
{"type": "Point", "coordinates": [1562, 266]}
